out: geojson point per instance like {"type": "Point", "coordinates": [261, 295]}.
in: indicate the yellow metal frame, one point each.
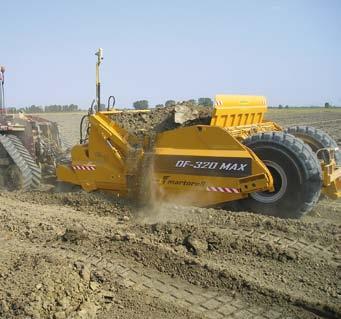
{"type": "Point", "coordinates": [208, 142]}
{"type": "Point", "coordinates": [238, 110]}
{"type": "Point", "coordinates": [242, 115]}
{"type": "Point", "coordinates": [118, 156]}
{"type": "Point", "coordinates": [331, 180]}
{"type": "Point", "coordinates": [115, 160]}
{"type": "Point", "coordinates": [108, 151]}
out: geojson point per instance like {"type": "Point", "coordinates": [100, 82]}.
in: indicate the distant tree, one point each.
{"type": "Point", "coordinates": [73, 107]}
{"type": "Point", "coordinates": [53, 108]}
{"type": "Point", "coordinates": [60, 108]}
{"type": "Point", "coordinates": [192, 102]}
{"type": "Point", "coordinates": [205, 101]}
{"type": "Point", "coordinates": [141, 105]}
{"type": "Point", "coordinates": [287, 106]}
{"type": "Point", "coordinates": [170, 103]}
{"type": "Point", "coordinates": [11, 110]}
{"type": "Point", "coordinates": [327, 105]}
{"type": "Point", "coordinates": [159, 106]}
{"type": "Point", "coordinates": [34, 109]}
{"type": "Point", "coordinates": [280, 106]}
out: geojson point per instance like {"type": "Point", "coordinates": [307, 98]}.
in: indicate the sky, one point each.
{"type": "Point", "coordinates": [288, 51]}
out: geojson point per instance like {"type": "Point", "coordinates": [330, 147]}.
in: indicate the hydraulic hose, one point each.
{"type": "Point", "coordinates": [81, 140]}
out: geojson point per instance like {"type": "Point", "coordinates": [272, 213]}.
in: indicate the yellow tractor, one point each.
{"type": "Point", "coordinates": [239, 157]}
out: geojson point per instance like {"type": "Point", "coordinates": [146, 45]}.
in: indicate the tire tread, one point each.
{"type": "Point", "coordinates": [320, 136]}
{"type": "Point", "coordinates": [307, 159]}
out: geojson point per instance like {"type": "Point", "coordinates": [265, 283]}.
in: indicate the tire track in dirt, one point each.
{"type": "Point", "coordinates": [205, 302]}
{"type": "Point", "coordinates": [98, 298]}
{"type": "Point", "coordinates": [307, 249]}
{"type": "Point", "coordinates": [216, 274]}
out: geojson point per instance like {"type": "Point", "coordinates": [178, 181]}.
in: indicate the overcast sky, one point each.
{"type": "Point", "coordinates": [289, 51]}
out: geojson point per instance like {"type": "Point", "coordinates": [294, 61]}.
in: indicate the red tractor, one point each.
{"type": "Point", "coordinates": [29, 146]}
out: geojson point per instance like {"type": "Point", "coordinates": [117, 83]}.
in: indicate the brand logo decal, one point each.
{"type": "Point", "coordinates": [203, 165]}
{"type": "Point", "coordinates": [166, 180]}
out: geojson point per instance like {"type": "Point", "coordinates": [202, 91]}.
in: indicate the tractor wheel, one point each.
{"type": "Point", "coordinates": [13, 179]}
{"type": "Point", "coordinates": [296, 172]}
{"type": "Point", "coordinates": [316, 139]}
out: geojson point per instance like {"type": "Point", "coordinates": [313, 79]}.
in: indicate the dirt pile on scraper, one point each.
{"type": "Point", "coordinates": [163, 119]}
{"type": "Point", "coordinates": [92, 255]}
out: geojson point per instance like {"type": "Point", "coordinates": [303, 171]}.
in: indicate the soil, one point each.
{"type": "Point", "coordinates": [142, 123]}
{"type": "Point", "coordinates": [81, 255]}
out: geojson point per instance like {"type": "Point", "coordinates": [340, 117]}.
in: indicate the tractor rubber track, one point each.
{"type": "Point", "coordinates": [31, 172]}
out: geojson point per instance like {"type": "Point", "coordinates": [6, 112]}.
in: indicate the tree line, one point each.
{"type": "Point", "coordinates": [144, 104]}
{"type": "Point", "coordinates": [138, 105]}
{"type": "Point", "coordinates": [203, 101]}
{"type": "Point", "coordinates": [327, 105]}
{"type": "Point", "coordinates": [45, 109]}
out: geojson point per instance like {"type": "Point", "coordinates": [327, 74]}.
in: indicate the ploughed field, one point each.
{"type": "Point", "coordinates": [79, 255]}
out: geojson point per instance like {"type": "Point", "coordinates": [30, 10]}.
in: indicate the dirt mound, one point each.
{"type": "Point", "coordinates": [101, 203]}
{"type": "Point", "coordinates": [163, 119]}
{"type": "Point", "coordinates": [59, 288]}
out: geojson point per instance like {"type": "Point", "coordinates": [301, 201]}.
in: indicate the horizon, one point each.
{"type": "Point", "coordinates": [288, 52]}
{"type": "Point", "coordinates": [85, 108]}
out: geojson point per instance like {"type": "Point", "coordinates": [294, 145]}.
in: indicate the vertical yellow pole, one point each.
{"type": "Point", "coordinates": [99, 54]}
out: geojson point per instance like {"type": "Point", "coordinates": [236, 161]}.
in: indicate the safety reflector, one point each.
{"type": "Point", "coordinates": [222, 189]}
{"type": "Point", "coordinates": [84, 167]}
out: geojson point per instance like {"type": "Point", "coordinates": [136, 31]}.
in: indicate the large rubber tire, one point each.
{"type": "Point", "coordinates": [296, 172]}
{"type": "Point", "coordinates": [316, 139]}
